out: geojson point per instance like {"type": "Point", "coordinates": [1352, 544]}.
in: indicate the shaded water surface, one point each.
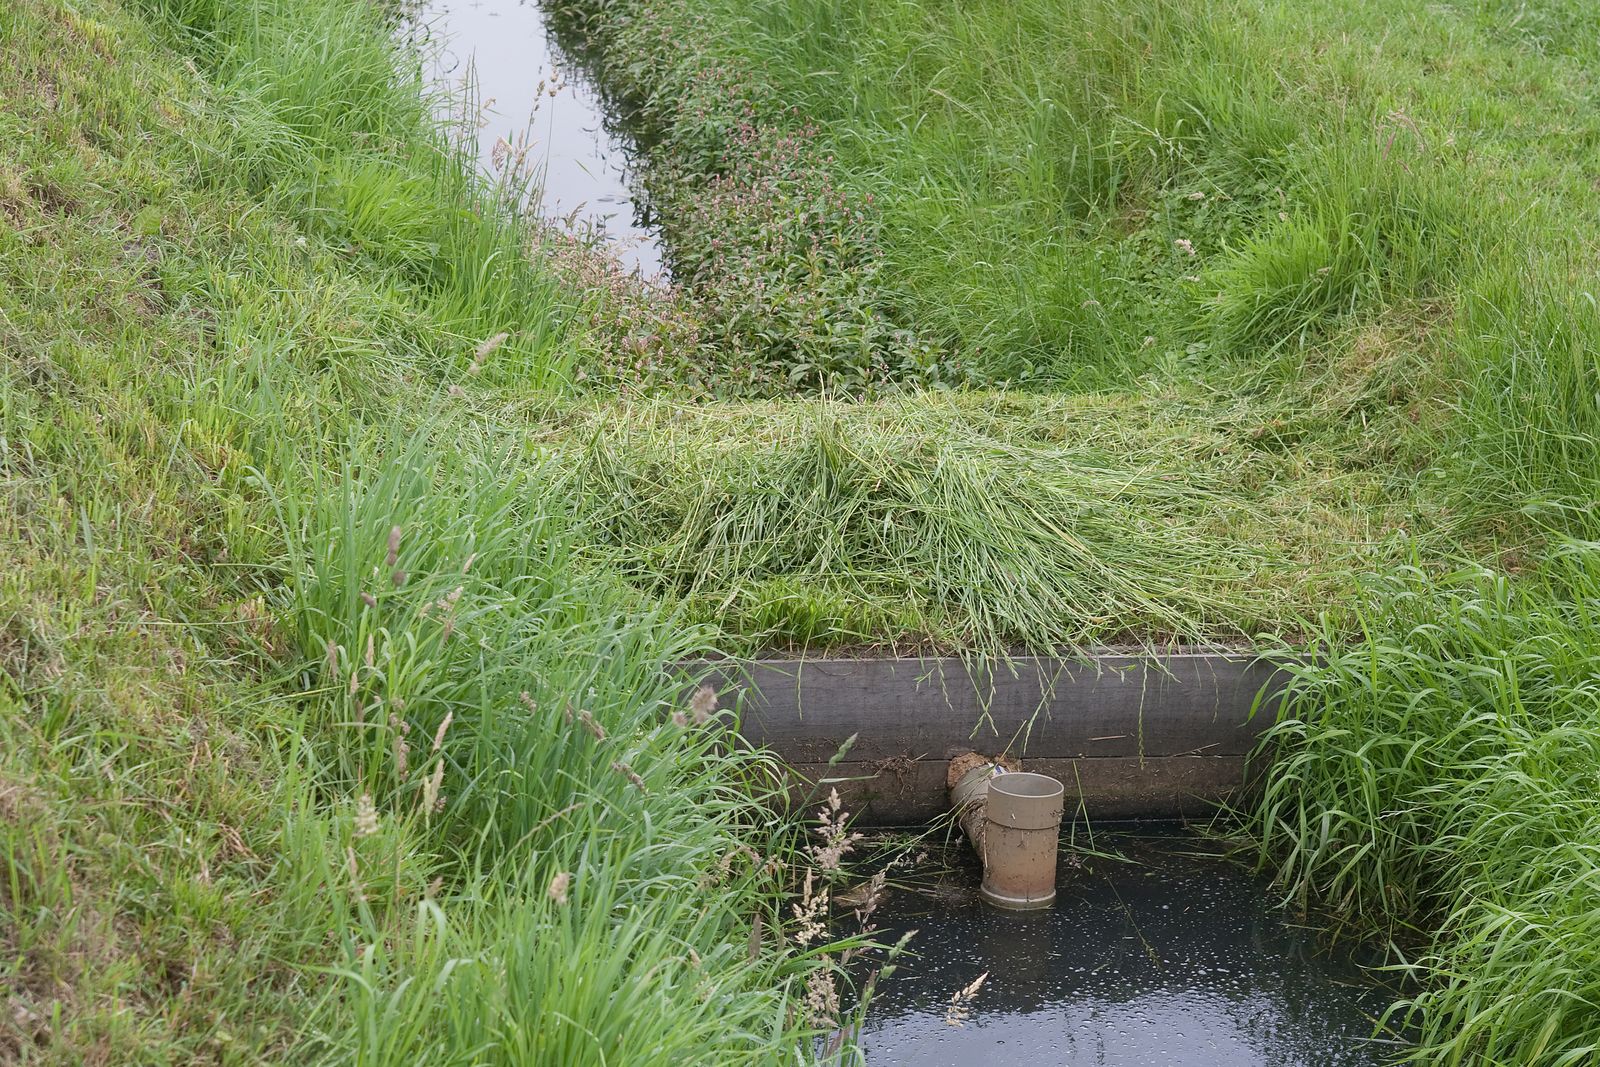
{"type": "Point", "coordinates": [1166, 957]}
{"type": "Point", "coordinates": [507, 47]}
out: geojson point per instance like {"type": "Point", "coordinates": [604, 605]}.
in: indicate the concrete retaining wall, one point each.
{"type": "Point", "coordinates": [1131, 736]}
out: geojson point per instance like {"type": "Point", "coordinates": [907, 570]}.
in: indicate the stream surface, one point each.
{"type": "Point", "coordinates": [1170, 956]}
{"type": "Point", "coordinates": [507, 49]}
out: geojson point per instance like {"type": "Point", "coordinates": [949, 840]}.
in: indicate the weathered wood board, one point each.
{"type": "Point", "coordinates": [1130, 736]}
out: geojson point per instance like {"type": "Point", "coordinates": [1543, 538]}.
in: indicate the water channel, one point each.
{"type": "Point", "coordinates": [1169, 955]}
{"type": "Point", "coordinates": [505, 47]}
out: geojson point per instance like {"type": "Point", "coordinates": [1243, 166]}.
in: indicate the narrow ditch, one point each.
{"type": "Point", "coordinates": [529, 86]}
{"type": "Point", "coordinates": [1158, 950]}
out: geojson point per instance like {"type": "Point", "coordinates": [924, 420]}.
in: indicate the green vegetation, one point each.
{"type": "Point", "coordinates": [968, 521]}
{"type": "Point", "coordinates": [318, 748]}
{"type": "Point", "coordinates": [285, 785]}
{"type": "Point", "coordinates": [1348, 243]}
{"type": "Point", "coordinates": [1292, 242]}
{"type": "Point", "coordinates": [1437, 781]}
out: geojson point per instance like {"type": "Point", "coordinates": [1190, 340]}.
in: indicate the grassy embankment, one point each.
{"type": "Point", "coordinates": [1289, 250]}
{"type": "Point", "coordinates": [1364, 231]}
{"type": "Point", "coordinates": [317, 746]}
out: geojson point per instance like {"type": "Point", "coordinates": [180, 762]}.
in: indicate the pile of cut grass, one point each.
{"type": "Point", "coordinates": [989, 522]}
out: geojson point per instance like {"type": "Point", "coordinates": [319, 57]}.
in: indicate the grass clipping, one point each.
{"type": "Point", "coordinates": [910, 522]}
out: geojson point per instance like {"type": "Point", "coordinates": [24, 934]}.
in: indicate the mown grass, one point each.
{"type": "Point", "coordinates": [985, 522]}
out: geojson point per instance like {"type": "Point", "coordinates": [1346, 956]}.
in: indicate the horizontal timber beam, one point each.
{"type": "Point", "coordinates": [1131, 736]}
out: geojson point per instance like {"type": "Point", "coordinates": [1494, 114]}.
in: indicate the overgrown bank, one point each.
{"type": "Point", "coordinates": [317, 747]}
{"type": "Point", "coordinates": [1103, 195]}
{"type": "Point", "coordinates": [1435, 785]}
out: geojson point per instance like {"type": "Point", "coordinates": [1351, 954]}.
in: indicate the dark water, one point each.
{"type": "Point", "coordinates": [1166, 958]}
{"type": "Point", "coordinates": [505, 45]}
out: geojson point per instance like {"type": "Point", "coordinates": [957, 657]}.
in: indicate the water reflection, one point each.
{"type": "Point", "coordinates": [506, 46]}
{"type": "Point", "coordinates": [1166, 959]}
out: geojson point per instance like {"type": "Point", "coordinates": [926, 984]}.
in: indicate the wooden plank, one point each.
{"type": "Point", "coordinates": [904, 793]}
{"type": "Point", "coordinates": [1113, 706]}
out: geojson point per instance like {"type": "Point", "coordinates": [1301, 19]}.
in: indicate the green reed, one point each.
{"type": "Point", "coordinates": [1433, 784]}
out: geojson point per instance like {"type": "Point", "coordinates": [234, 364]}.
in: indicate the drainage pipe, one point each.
{"type": "Point", "coordinates": [1013, 820]}
{"type": "Point", "coordinates": [1021, 839]}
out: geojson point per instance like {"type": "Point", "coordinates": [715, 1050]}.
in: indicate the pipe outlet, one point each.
{"type": "Point", "coordinates": [1021, 835]}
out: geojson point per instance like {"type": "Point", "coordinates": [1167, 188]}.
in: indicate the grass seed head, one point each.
{"type": "Point", "coordinates": [399, 727]}
{"type": "Point", "coordinates": [822, 998]}
{"type": "Point", "coordinates": [558, 887]}
{"type": "Point", "coordinates": [703, 703]}
{"type": "Point", "coordinates": [489, 346]}
{"type": "Point", "coordinates": [432, 801]}
{"type": "Point", "coordinates": [961, 1001]}
{"type": "Point", "coordinates": [629, 773]}
{"type": "Point", "coordinates": [366, 821]}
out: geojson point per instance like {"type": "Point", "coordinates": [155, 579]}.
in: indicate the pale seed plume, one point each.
{"type": "Point", "coordinates": [366, 822]}
{"type": "Point", "coordinates": [558, 887]}
{"type": "Point", "coordinates": [703, 703]}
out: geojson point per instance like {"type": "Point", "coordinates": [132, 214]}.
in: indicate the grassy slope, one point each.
{"type": "Point", "coordinates": [228, 321]}
{"type": "Point", "coordinates": [1031, 157]}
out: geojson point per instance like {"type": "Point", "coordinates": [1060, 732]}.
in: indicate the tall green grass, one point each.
{"type": "Point", "coordinates": [556, 754]}
{"type": "Point", "coordinates": [1077, 192]}
{"type": "Point", "coordinates": [213, 413]}
{"type": "Point", "coordinates": [1435, 783]}
{"type": "Point", "coordinates": [328, 115]}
